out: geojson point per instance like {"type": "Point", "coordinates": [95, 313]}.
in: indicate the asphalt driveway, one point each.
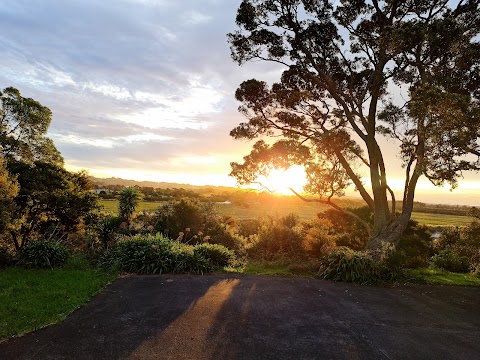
{"type": "Point", "coordinates": [260, 317]}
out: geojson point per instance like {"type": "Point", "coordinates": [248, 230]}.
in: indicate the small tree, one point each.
{"type": "Point", "coordinates": [336, 98]}
{"type": "Point", "coordinates": [129, 200]}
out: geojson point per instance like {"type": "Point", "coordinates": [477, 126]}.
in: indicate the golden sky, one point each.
{"type": "Point", "coordinates": [144, 89]}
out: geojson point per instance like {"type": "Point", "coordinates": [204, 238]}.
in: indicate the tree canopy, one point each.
{"type": "Point", "coordinates": [48, 196]}
{"type": "Point", "coordinates": [23, 125]}
{"type": "Point", "coordinates": [355, 72]}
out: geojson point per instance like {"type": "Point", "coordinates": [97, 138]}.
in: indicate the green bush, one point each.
{"type": "Point", "coordinates": [6, 257]}
{"type": "Point", "coordinates": [192, 222]}
{"type": "Point", "coordinates": [155, 254]}
{"type": "Point", "coordinates": [455, 245]}
{"type": "Point", "coordinates": [450, 260]}
{"type": "Point", "coordinates": [249, 227]}
{"type": "Point", "coordinates": [43, 254]}
{"type": "Point", "coordinates": [392, 264]}
{"type": "Point", "coordinates": [276, 239]}
{"type": "Point", "coordinates": [217, 255]}
{"type": "Point", "coordinates": [416, 246]}
{"type": "Point", "coordinates": [348, 231]}
{"type": "Point", "coordinates": [350, 266]}
{"type": "Point", "coordinates": [317, 239]}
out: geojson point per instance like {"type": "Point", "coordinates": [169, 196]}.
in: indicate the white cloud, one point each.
{"type": "Point", "coordinates": [109, 142]}
{"type": "Point", "coordinates": [195, 18]}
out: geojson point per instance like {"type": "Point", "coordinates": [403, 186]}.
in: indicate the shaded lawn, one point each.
{"type": "Point", "coordinates": [31, 299]}
{"type": "Point", "coordinates": [436, 276]}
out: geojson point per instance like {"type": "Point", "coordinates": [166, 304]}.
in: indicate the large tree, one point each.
{"type": "Point", "coordinates": [354, 72]}
{"type": "Point", "coordinates": [49, 197]}
{"type": "Point", "coordinates": [23, 126]}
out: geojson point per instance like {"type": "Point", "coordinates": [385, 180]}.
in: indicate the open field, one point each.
{"type": "Point", "coordinates": [306, 211]}
{"type": "Point", "coordinates": [441, 219]}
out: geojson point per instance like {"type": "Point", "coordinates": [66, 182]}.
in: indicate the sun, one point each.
{"type": "Point", "coordinates": [279, 181]}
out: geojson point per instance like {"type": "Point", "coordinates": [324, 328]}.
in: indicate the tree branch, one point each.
{"type": "Point", "coordinates": [336, 207]}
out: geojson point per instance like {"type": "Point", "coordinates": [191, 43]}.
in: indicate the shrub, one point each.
{"type": "Point", "coordinates": [43, 254]}
{"type": "Point", "coordinates": [317, 240]}
{"type": "Point", "coordinates": [461, 243]}
{"type": "Point", "coordinates": [155, 254]}
{"type": "Point", "coordinates": [276, 239]}
{"type": "Point", "coordinates": [6, 257]}
{"type": "Point", "coordinates": [392, 264]}
{"type": "Point", "coordinates": [349, 232]}
{"type": "Point", "coordinates": [249, 227]}
{"type": "Point", "coordinates": [217, 255]}
{"type": "Point", "coordinates": [350, 266]}
{"type": "Point", "coordinates": [450, 260]}
{"type": "Point", "coordinates": [192, 222]}
{"type": "Point", "coordinates": [107, 229]}
{"type": "Point", "coordinates": [415, 245]}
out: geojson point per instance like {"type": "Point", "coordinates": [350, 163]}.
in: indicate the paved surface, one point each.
{"type": "Point", "coordinates": [259, 317]}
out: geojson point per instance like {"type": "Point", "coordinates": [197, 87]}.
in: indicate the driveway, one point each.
{"type": "Point", "coordinates": [261, 317]}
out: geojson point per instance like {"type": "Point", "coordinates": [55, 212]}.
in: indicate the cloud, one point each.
{"type": "Point", "coordinates": [134, 85]}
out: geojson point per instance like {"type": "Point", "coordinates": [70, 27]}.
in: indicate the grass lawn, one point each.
{"type": "Point", "coordinates": [310, 268]}
{"type": "Point", "coordinates": [31, 299]}
{"type": "Point", "coordinates": [441, 219]}
{"type": "Point", "coordinates": [112, 206]}
{"type": "Point", "coordinates": [435, 276]}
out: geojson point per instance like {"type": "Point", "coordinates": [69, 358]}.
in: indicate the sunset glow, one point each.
{"type": "Point", "coordinates": [279, 181]}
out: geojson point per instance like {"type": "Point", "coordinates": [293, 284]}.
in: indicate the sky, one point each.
{"type": "Point", "coordinates": [143, 89]}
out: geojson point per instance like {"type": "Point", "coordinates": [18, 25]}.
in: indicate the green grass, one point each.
{"type": "Point", "coordinates": [281, 266]}
{"type": "Point", "coordinates": [288, 267]}
{"type": "Point", "coordinates": [441, 219]}
{"type": "Point", "coordinates": [436, 276]}
{"type": "Point", "coordinates": [111, 206]}
{"type": "Point", "coordinates": [31, 299]}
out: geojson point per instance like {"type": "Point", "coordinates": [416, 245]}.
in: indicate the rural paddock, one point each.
{"type": "Point", "coordinates": [261, 317]}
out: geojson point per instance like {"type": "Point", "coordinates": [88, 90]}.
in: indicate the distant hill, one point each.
{"type": "Point", "coordinates": [157, 185]}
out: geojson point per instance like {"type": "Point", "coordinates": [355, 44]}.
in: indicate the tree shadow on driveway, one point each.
{"type": "Point", "coordinates": [260, 317]}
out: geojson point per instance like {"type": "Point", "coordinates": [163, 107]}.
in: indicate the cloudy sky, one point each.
{"type": "Point", "coordinates": [139, 89]}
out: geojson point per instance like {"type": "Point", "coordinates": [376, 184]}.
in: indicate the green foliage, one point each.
{"type": "Point", "coordinates": [155, 254]}
{"type": "Point", "coordinates": [450, 260]}
{"type": "Point", "coordinates": [428, 47]}
{"type": "Point", "coordinates": [174, 217]}
{"type": "Point", "coordinates": [128, 202]}
{"type": "Point", "coordinates": [23, 125]}
{"type": "Point", "coordinates": [437, 276]}
{"type": "Point", "coordinates": [318, 238]}
{"type": "Point", "coordinates": [192, 222]}
{"type": "Point", "coordinates": [415, 246]}
{"type": "Point", "coordinates": [43, 254]}
{"type": "Point", "coordinates": [8, 192]}
{"type": "Point", "coordinates": [347, 230]}
{"type": "Point", "coordinates": [49, 196]}
{"type": "Point", "coordinates": [350, 266]}
{"type": "Point", "coordinates": [6, 257]}
{"type": "Point", "coordinates": [217, 255]}
{"type": "Point", "coordinates": [107, 229]}
{"type": "Point", "coordinates": [455, 245]}
{"type": "Point", "coordinates": [248, 227]}
{"type": "Point", "coordinates": [277, 237]}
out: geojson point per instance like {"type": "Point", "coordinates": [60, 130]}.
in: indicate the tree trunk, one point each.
{"type": "Point", "coordinates": [389, 235]}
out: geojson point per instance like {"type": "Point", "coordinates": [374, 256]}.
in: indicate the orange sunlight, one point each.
{"type": "Point", "coordinates": [279, 181]}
